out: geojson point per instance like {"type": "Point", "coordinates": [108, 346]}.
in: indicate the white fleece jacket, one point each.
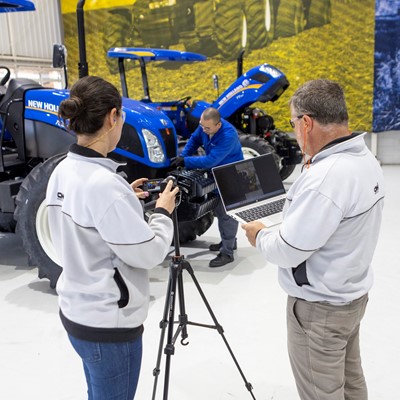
{"type": "Point", "coordinates": [105, 245]}
{"type": "Point", "coordinates": [332, 218]}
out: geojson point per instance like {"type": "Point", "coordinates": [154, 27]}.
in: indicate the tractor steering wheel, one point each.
{"type": "Point", "coordinates": [182, 101]}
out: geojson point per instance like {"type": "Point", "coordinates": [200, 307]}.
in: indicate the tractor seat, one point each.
{"type": "Point", "coordinates": [192, 120]}
{"type": "Point", "coordinates": [15, 90]}
{"type": "Point", "coordinates": [3, 91]}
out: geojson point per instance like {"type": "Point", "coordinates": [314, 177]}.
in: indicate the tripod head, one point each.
{"type": "Point", "coordinates": [163, 185]}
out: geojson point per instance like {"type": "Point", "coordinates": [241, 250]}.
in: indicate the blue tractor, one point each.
{"type": "Point", "coordinates": [33, 141]}
{"type": "Point", "coordinates": [261, 84]}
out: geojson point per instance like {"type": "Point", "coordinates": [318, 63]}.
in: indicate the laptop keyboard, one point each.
{"type": "Point", "coordinates": [264, 210]}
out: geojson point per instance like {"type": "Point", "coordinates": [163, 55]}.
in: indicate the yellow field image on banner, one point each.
{"type": "Point", "coordinates": [304, 39]}
{"type": "Point", "coordinates": [69, 6]}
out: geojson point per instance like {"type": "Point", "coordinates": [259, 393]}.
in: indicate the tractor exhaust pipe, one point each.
{"type": "Point", "coordinates": [239, 70]}
{"type": "Point", "coordinates": [83, 66]}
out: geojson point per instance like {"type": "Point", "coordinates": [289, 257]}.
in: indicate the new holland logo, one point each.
{"type": "Point", "coordinates": [164, 122]}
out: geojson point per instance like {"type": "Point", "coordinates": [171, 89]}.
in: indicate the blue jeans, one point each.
{"type": "Point", "coordinates": [228, 228]}
{"type": "Point", "coordinates": [111, 369]}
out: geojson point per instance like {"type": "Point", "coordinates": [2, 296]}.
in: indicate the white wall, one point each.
{"type": "Point", "coordinates": [387, 147]}
{"type": "Point", "coordinates": [30, 35]}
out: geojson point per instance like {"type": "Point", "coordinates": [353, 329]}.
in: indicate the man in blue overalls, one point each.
{"type": "Point", "coordinates": [221, 144]}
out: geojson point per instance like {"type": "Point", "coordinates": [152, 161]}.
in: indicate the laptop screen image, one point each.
{"type": "Point", "coordinates": [248, 181]}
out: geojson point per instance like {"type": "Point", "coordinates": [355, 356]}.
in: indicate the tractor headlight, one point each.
{"type": "Point", "coordinates": [154, 147]}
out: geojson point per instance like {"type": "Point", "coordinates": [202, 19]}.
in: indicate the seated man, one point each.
{"type": "Point", "coordinates": [221, 143]}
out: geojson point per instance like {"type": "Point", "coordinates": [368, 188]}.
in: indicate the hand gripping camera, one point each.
{"type": "Point", "coordinates": [159, 185]}
{"type": "Point", "coordinates": [196, 188]}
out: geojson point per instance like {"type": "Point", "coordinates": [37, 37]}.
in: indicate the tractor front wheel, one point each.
{"type": "Point", "coordinates": [189, 230]}
{"type": "Point", "coordinates": [7, 222]}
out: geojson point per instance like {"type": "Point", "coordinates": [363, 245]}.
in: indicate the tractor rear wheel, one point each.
{"type": "Point", "coordinates": [32, 222]}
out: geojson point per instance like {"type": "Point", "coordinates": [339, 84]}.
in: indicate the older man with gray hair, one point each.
{"type": "Point", "coordinates": [325, 245]}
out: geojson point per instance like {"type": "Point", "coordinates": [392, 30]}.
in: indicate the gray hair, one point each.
{"type": "Point", "coordinates": [321, 99]}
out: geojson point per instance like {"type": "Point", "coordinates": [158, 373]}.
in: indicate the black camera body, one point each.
{"type": "Point", "coordinates": [158, 185]}
{"type": "Point", "coordinates": [165, 181]}
{"type": "Point", "coordinates": [197, 192]}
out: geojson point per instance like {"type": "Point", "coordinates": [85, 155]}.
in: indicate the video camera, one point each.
{"type": "Point", "coordinates": [197, 191]}
{"type": "Point", "coordinates": [158, 185]}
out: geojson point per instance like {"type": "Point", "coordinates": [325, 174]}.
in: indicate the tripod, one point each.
{"type": "Point", "coordinates": [177, 266]}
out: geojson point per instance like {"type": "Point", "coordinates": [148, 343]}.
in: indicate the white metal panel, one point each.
{"type": "Point", "coordinates": [31, 34]}
{"type": "Point", "coordinates": [5, 47]}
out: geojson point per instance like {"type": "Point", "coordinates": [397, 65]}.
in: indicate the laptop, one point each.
{"type": "Point", "coordinates": [252, 189]}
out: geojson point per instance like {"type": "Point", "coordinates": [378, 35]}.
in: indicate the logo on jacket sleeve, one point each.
{"type": "Point", "coordinates": [60, 196]}
{"type": "Point", "coordinates": [376, 188]}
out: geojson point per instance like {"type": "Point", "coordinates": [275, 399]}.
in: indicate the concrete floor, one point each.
{"type": "Point", "coordinates": [38, 363]}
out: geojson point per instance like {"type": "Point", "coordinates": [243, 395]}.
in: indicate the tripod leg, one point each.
{"type": "Point", "coordinates": [170, 348]}
{"type": "Point", "coordinates": [183, 318]}
{"type": "Point", "coordinates": [220, 330]}
{"type": "Point", "coordinates": [163, 325]}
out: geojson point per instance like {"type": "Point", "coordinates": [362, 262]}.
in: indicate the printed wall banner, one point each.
{"type": "Point", "coordinates": [304, 39]}
{"type": "Point", "coordinates": [386, 114]}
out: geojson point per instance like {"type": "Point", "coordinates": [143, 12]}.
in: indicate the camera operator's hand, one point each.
{"type": "Point", "coordinates": [139, 192]}
{"type": "Point", "coordinates": [252, 229]}
{"type": "Point", "coordinates": [167, 197]}
{"type": "Point", "coordinates": [177, 162]}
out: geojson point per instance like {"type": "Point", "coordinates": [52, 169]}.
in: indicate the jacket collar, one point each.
{"type": "Point", "coordinates": [353, 142]}
{"type": "Point", "coordinates": [77, 151]}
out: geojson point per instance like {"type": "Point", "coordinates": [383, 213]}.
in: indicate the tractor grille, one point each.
{"type": "Point", "coordinates": [169, 140]}
{"type": "Point", "coordinates": [130, 141]}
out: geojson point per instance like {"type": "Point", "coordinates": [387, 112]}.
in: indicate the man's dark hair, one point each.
{"type": "Point", "coordinates": [321, 99]}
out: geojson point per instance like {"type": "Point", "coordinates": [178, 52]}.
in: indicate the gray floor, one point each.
{"type": "Point", "coordinates": [37, 362]}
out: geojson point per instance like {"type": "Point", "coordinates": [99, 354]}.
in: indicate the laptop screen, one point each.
{"type": "Point", "coordinates": [248, 181]}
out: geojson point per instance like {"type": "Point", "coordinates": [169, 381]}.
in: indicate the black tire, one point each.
{"type": "Point", "coordinates": [253, 146]}
{"type": "Point", "coordinates": [319, 13]}
{"type": "Point", "coordinates": [286, 171]}
{"type": "Point", "coordinates": [31, 217]}
{"type": "Point", "coordinates": [7, 222]}
{"type": "Point", "coordinates": [189, 230]}
{"type": "Point", "coordinates": [283, 140]}
{"type": "Point", "coordinates": [229, 29]}
{"type": "Point", "coordinates": [290, 18]}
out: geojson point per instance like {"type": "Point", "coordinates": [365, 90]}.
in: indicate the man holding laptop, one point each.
{"type": "Point", "coordinates": [325, 245]}
{"type": "Point", "coordinates": [221, 144]}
